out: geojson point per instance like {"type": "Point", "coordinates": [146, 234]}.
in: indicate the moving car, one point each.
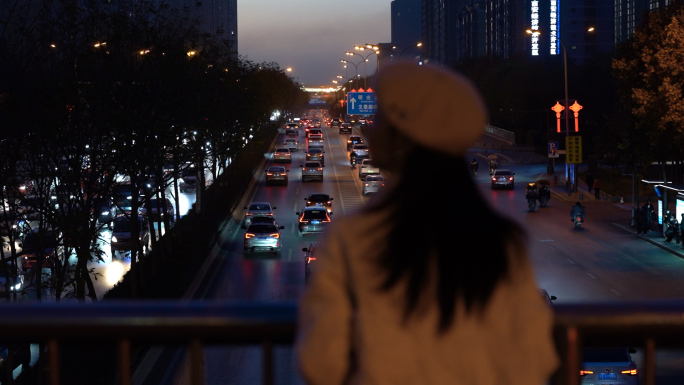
{"type": "Point", "coordinates": [188, 180]}
{"type": "Point", "coordinates": [156, 208]}
{"type": "Point", "coordinates": [361, 151]}
{"type": "Point", "coordinates": [282, 155]}
{"type": "Point", "coordinates": [608, 366]}
{"type": "Point", "coordinates": [352, 140]}
{"type": "Point", "coordinates": [37, 242]}
{"type": "Point", "coordinates": [315, 134]}
{"type": "Point", "coordinates": [10, 277]}
{"type": "Point", "coordinates": [345, 128]}
{"type": "Point", "coordinates": [335, 122]}
{"type": "Point", "coordinates": [312, 170]}
{"type": "Point", "coordinates": [260, 236]}
{"type": "Point", "coordinates": [366, 168]}
{"type": "Point", "coordinates": [312, 219]}
{"type": "Point", "coordinates": [503, 177]}
{"type": "Point", "coordinates": [257, 209]}
{"type": "Point", "coordinates": [315, 142]}
{"type": "Point", "coordinates": [320, 199]}
{"type": "Point", "coordinates": [291, 143]}
{"type": "Point", "coordinates": [276, 174]}
{"type": "Point", "coordinates": [292, 129]}
{"type": "Point", "coordinates": [315, 153]}
{"type": "Point", "coordinates": [121, 234]}
{"type": "Point", "coordinates": [372, 184]}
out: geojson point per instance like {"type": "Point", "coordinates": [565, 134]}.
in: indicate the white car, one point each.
{"type": "Point", "coordinates": [372, 184]}
{"type": "Point", "coordinates": [291, 143]}
{"type": "Point", "coordinates": [366, 168]}
{"type": "Point", "coordinates": [282, 155]}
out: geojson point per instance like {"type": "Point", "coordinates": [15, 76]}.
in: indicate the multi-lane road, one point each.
{"type": "Point", "coordinates": [600, 262]}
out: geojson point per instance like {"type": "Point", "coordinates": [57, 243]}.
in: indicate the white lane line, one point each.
{"type": "Point", "coordinates": [616, 292]}
{"type": "Point", "coordinates": [571, 261]}
{"type": "Point", "coordinates": [297, 192]}
{"type": "Point", "coordinates": [591, 275]}
{"type": "Point", "coordinates": [289, 254]}
{"type": "Point", "coordinates": [295, 208]}
{"type": "Point", "coordinates": [292, 229]}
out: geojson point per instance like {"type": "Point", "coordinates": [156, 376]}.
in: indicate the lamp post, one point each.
{"type": "Point", "coordinates": [356, 67]}
{"type": "Point", "coordinates": [365, 60]}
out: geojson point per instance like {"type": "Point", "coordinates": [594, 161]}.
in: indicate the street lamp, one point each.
{"type": "Point", "coordinates": [355, 67]}
{"type": "Point", "coordinates": [365, 59]}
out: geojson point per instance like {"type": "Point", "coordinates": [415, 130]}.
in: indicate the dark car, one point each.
{"type": "Point", "coordinates": [312, 219]}
{"type": "Point", "coordinates": [37, 242]}
{"type": "Point", "coordinates": [315, 154]}
{"type": "Point", "coordinates": [122, 196]}
{"type": "Point", "coordinates": [345, 128]}
{"type": "Point", "coordinates": [157, 207]}
{"type": "Point", "coordinates": [105, 211]}
{"type": "Point", "coordinates": [121, 234]}
{"type": "Point", "coordinates": [319, 199]}
{"type": "Point", "coordinates": [352, 140]}
{"type": "Point", "coordinates": [503, 178]}
{"type": "Point", "coordinates": [335, 122]}
{"type": "Point", "coordinates": [609, 366]}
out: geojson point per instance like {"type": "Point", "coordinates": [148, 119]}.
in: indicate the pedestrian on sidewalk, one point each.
{"type": "Point", "coordinates": [597, 188]}
{"type": "Point", "coordinates": [672, 230]}
{"type": "Point", "coordinates": [648, 213]}
{"type": "Point", "coordinates": [590, 181]}
{"type": "Point", "coordinates": [638, 218]}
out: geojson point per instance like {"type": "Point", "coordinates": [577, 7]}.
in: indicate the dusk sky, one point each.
{"type": "Point", "coordinates": [311, 36]}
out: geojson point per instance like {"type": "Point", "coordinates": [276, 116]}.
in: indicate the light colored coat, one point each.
{"type": "Point", "coordinates": [509, 344]}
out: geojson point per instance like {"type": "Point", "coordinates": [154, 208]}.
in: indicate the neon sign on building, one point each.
{"type": "Point", "coordinates": [554, 27]}
{"type": "Point", "coordinates": [535, 27]}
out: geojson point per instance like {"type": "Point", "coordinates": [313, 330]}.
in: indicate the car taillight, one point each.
{"type": "Point", "coordinates": [366, 184]}
{"type": "Point", "coordinates": [585, 372]}
{"type": "Point", "coordinates": [631, 372]}
{"type": "Point", "coordinates": [269, 173]}
{"type": "Point", "coordinates": [249, 235]}
{"type": "Point", "coordinates": [309, 259]}
{"type": "Point", "coordinates": [274, 235]}
{"type": "Point", "coordinates": [304, 169]}
{"type": "Point", "coordinates": [493, 179]}
{"type": "Point", "coordinates": [320, 169]}
{"type": "Point", "coordinates": [382, 184]}
{"type": "Point", "coordinates": [248, 214]}
{"type": "Point", "coordinates": [302, 220]}
{"type": "Point", "coordinates": [269, 214]}
{"type": "Point", "coordinates": [510, 178]}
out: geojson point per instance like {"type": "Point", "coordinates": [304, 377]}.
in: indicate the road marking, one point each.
{"type": "Point", "coordinates": [289, 254]}
{"type": "Point", "coordinates": [295, 208]}
{"type": "Point", "coordinates": [571, 261]}
{"type": "Point", "coordinates": [616, 292]}
{"type": "Point", "coordinates": [591, 275]}
{"type": "Point", "coordinates": [297, 192]}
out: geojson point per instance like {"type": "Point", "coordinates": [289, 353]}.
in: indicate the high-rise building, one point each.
{"type": "Point", "coordinates": [406, 22]}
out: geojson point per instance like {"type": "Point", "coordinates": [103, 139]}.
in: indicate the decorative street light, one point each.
{"type": "Point", "coordinates": [355, 67]}
{"type": "Point", "coordinates": [365, 60]}
{"type": "Point", "coordinates": [569, 167]}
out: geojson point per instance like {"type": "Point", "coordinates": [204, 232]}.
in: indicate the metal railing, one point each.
{"type": "Point", "coordinates": [194, 324]}
{"type": "Point", "coordinates": [508, 136]}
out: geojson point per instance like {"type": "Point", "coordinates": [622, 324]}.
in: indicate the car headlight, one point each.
{"type": "Point", "coordinates": [114, 239]}
{"type": "Point", "coordinates": [105, 212]}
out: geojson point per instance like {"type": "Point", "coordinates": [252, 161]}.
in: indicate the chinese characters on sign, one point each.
{"type": "Point", "coordinates": [361, 103]}
{"type": "Point", "coordinates": [573, 149]}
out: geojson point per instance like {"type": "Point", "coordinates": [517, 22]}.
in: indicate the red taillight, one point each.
{"type": "Point", "coordinates": [493, 179]}
{"type": "Point", "coordinates": [274, 235]}
{"type": "Point", "coordinates": [510, 178]}
{"type": "Point", "coordinates": [269, 173]}
{"type": "Point", "coordinates": [631, 372]}
{"type": "Point", "coordinates": [249, 235]}
{"type": "Point", "coordinates": [270, 214]}
{"type": "Point", "coordinates": [248, 214]}
{"type": "Point", "coordinates": [383, 184]}
{"type": "Point", "coordinates": [302, 220]}
{"type": "Point", "coordinates": [585, 372]}
{"type": "Point", "coordinates": [319, 169]}
{"type": "Point", "coordinates": [309, 259]}
{"type": "Point", "coordinates": [304, 169]}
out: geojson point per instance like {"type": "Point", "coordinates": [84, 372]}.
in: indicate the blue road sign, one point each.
{"type": "Point", "coordinates": [361, 103]}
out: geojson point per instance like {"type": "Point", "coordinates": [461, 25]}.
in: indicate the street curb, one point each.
{"type": "Point", "coordinates": [650, 240]}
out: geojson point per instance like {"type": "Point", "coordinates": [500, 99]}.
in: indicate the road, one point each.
{"type": "Point", "coordinates": [599, 262]}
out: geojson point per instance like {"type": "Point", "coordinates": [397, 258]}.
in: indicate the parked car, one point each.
{"type": "Point", "coordinates": [122, 234]}
{"type": "Point", "coordinates": [156, 208]}
{"type": "Point", "coordinates": [320, 199]}
{"type": "Point", "coordinates": [372, 184]}
{"type": "Point", "coordinates": [312, 170]}
{"type": "Point", "coordinates": [260, 236]}
{"type": "Point", "coordinates": [315, 154]}
{"type": "Point", "coordinates": [257, 209]}
{"type": "Point", "coordinates": [503, 177]}
{"type": "Point", "coordinates": [312, 219]}
{"type": "Point", "coordinates": [282, 155]}
{"type": "Point", "coordinates": [276, 174]}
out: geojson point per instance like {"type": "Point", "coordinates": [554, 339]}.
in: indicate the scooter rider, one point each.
{"type": "Point", "coordinates": [577, 211]}
{"type": "Point", "coordinates": [352, 159]}
{"type": "Point", "coordinates": [474, 166]}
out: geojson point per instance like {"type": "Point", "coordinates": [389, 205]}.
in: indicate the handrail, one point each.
{"type": "Point", "coordinates": [508, 136]}
{"type": "Point", "coordinates": [636, 324]}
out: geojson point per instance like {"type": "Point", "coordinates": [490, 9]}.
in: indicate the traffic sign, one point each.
{"type": "Point", "coordinates": [361, 103]}
{"type": "Point", "coordinates": [553, 149]}
{"type": "Point", "coordinates": [573, 148]}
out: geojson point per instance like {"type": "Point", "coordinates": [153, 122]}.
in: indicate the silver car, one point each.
{"type": "Point", "coordinates": [372, 184]}
{"type": "Point", "coordinates": [282, 155]}
{"type": "Point", "coordinates": [276, 174]}
{"type": "Point", "coordinates": [257, 209]}
{"type": "Point", "coordinates": [312, 170]}
{"type": "Point", "coordinates": [313, 219]}
{"type": "Point", "coordinates": [361, 151]}
{"type": "Point", "coordinates": [291, 143]}
{"type": "Point", "coordinates": [263, 236]}
{"type": "Point", "coordinates": [315, 142]}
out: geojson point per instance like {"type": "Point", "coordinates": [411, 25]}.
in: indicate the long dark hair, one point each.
{"type": "Point", "coordinates": [438, 216]}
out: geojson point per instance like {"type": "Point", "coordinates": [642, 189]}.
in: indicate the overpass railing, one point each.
{"type": "Point", "coordinates": [508, 136]}
{"type": "Point", "coordinates": [196, 324]}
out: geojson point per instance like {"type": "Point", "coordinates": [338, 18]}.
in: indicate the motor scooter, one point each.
{"type": "Point", "coordinates": [578, 221]}
{"type": "Point", "coordinates": [544, 195]}
{"type": "Point", "coordinates": [352, 161]}
{"type": "Point", "coordinates": [531, 195]}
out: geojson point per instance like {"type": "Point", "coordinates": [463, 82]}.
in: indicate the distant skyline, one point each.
{"type": "Point", "coordinates": [311, 36]}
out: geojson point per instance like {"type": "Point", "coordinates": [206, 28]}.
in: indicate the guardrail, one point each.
{"type": "Point", "coordinates": [196, 323]}
{"type": "Point", "coordinates": [508, 136]}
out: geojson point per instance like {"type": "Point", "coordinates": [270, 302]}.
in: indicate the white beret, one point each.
{"type": "Point", "coordinates": [434, 106]}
